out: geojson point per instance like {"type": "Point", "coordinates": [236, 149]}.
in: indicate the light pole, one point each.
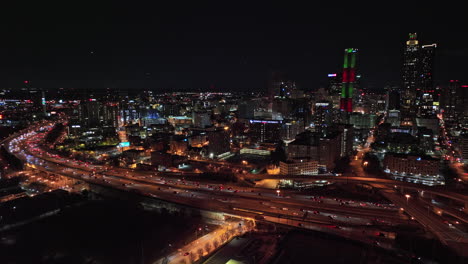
{"type": "Point", "coordinates": [407, 198]}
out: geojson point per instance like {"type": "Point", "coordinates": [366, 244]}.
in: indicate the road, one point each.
{"type": "Point", "coordinates": [448, 235]}
{"type": "Point", "coordinates": [290, 208]}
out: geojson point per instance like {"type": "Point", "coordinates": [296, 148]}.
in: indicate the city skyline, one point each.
{"type": "Point", "coordinates": [210, 132]}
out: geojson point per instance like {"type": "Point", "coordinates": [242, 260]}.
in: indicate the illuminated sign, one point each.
{"type": "Point", "coordinates": [124, 144]}
{"type": "Point", "coordinates": [43, 101]}
{"type": "Point", "coordinates": [265, 121]}
{"type": "Point", "coordinates": [435, 103]}
{"type": "Point", "coordinates": [332, 75]}
{"type": "Point", "coordinates": [322, 104]}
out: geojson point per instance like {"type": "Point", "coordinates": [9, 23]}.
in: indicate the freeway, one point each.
{"type": "Point", "coordinates": [450, 236]}
{"type": "Point", "coordinates": [300, 210]}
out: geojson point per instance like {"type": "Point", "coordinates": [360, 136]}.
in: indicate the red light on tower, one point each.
{"type": "Point", "coordinates": [26, 82]}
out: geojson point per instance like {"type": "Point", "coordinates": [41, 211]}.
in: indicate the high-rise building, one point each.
{"type": "Point", "coordinates": [265, 130]}
{"type": "Point", "coordinates": [291, 129]}
{"type": "Point", "coordinates": [280, 86]}
{"type": "Point", "coordinates": [362, 121]}
{"type": "Point", "coordinates": [90, 113]}
{"type": "Point", "coordinates": [411, 73]}
{"type": "Point", "coordinates": [334, 89]}
{"type": "Point", "coordinates": [322, 115]}
{"type": "Point", "coordinates": [246, 109]}
{"type": "Point", "coordinates": [463, 146]}
{"type": "Point", "coordinates": [455, 103]}
{"type": "Point", "coordinates": [427, 66]}
{"type": "Point", "coordinates": [392, 98]}
{"type": "Point", "coordinates": [348, 80]}
{"type": "Point", "coordinates": [219, 142]}
{"type": "Point", "coordinates": [312, 146]}
{"type": "Point", "coordinates": [346, 132]}
{"type": "Point", "coordinates": [110, 114]}
{"type": "Point", "coordinates": [334, 84]}
{"type": "Point", "coordinates": [201, 119]}
{"type": "Point", "coordinates": [427, 97]}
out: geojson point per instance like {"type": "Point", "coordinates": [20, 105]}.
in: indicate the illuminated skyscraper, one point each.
{"type": "Point", "coordinates": [427, 65]}
{"type": "Point", "coordinates": [411, 76]}
{"type": "Point", "coordinates": [349, 79]}
{"type": "Point", "coordinates": [427, 97]}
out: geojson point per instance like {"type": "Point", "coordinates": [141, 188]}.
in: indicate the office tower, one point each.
{"type": "Point", "coordinates": [349, 79]}
{"type": "Point", "coordinates": [265, 130]}
{"type": "Point", "coordinates": [463, 146]}
{"type": "Point", "coordinates": [280, 86]}
{"type": "Point", "coordinates": [283, 106]}
{"type": "Point", "coordinates": [362, 121]}
{"type": "Point", "coordinates": [313, 146]}
{"type": "Point", "coordinates": [90, 113]}
{"type": "Point", "coordinates": [427, 66]}
{"type": "Point", "coordinates": [246, 109]}
{"type": "Point", "coordinates": [454, 102]}
{"type": "Point", "coordinates": [110, 114]}
{"type": "Point", "coordinates": [346, 132]}
{"type": "Point", "coordinates": [334, 84]}
{"type": "Point", "coordinates": [201, 119]}
{"type": "Point", "coordinates": [410, 76]}
{"type": "Point", "coordinates": [392, 94]}
{"type": "Point", "coordinates": [427, 97]}
{"type": "Point", "coordinates": [290, 129]}
{"type": "Point", "coordinates": [219, 142]}
{"type": "Point", "coordinates": [322, 115]}
{"type": "Point", "coordinates": [334, 89]}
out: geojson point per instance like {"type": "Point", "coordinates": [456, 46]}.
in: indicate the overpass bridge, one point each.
{"type": "Point", "coordinates": [388, 183]}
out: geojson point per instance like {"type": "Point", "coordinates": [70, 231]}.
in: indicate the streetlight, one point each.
{"type": "Point", "coordinates": [407, 198]}
{"type": "Point", "coordinates": [278, 192]}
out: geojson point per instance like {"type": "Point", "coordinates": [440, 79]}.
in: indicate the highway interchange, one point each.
{"type": "Point", "coordinates": [358, 220]}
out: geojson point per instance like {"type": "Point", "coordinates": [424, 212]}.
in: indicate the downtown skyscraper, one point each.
{"type": "Point", "coordinates": [410, 76]}
{"type": "Point", "coordinates": [418, 96]}
{"type": "Point", "coordinates": [348, 80]}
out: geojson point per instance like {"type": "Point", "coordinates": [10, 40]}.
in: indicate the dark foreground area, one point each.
{"type": "Point", "coordinates": [97, 232]}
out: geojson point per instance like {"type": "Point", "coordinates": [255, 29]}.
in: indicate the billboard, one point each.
{"type": "Point", "coordinates": [124, 144]}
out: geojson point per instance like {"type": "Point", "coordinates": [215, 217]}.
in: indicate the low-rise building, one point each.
{"type": "Point", "coordinates": [299, 167]}
{"type": "Point", "coordinates": [413, 168]}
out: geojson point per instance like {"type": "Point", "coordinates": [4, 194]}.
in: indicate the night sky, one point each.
{"type": "Point", "coordinates": [226, 47]}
